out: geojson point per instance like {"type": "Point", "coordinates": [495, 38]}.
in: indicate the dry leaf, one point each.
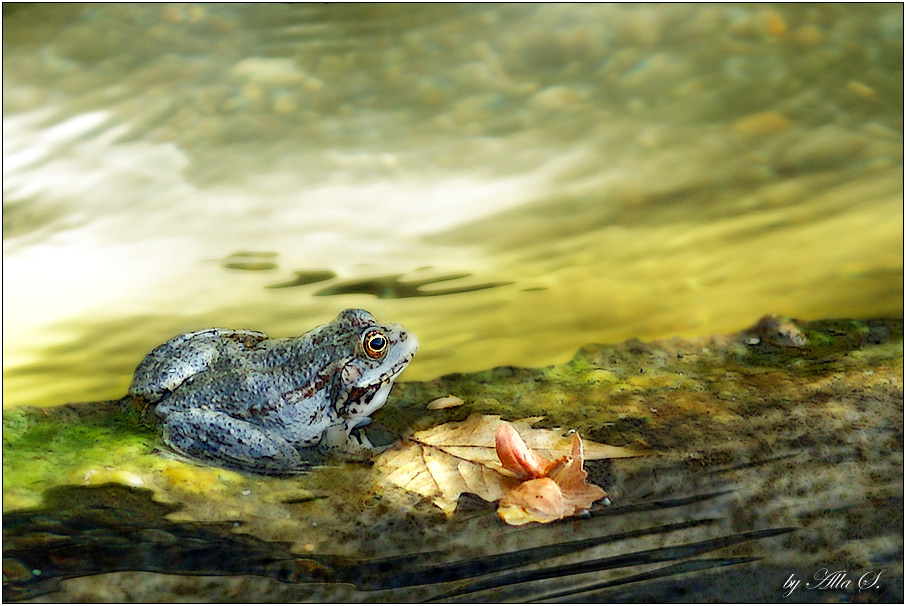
{"type": "Point", "coordinates": [440, 476]}
{"type": "Point", "coordinates": [445, 402]}
{"type": "Point", "coordinates": [443, 462]}
{"type": "Point", "coordinates": [556, 490]}
{"type": "Point", "coordinates": [516, 456]}
{"type": "Point", "coordinates": [538, 500]}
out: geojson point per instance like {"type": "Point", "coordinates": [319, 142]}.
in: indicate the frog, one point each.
{"type": "Point", "coordinates": [240, 400]}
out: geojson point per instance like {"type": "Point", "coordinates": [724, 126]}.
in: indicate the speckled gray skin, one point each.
{"type": "Point", "coordinates": [236, 399]}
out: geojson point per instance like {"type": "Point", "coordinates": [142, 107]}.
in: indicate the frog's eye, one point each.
{"type": "Point", "coordinates": [375, 344]}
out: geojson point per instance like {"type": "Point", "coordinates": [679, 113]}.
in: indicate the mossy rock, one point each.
{"type": "Point", "coordinates": [808, 437]}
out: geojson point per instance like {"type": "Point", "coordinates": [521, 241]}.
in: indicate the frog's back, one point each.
{"type": "Point", "coordinates": [170, 364]}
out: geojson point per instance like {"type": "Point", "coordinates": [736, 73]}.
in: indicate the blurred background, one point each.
{"type": "Point", "coordinates": [508, 181]}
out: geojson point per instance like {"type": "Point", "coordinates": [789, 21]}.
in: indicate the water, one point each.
{"type": "Point", "coordinates": [510, 182]}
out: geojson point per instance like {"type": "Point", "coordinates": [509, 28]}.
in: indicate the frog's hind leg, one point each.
{"type": "Point", "coordinates": [219, 439]}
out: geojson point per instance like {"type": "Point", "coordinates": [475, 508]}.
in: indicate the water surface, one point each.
{"type": "Point", "coordinates": [508, 181]}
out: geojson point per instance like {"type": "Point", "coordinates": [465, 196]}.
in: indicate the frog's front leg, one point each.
{"type": "Point", "coordinates": [352, 442]}
{"type": "Point", "coordinates": [218, 438]}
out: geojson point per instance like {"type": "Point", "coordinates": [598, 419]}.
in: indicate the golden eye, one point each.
{"type": "Point", "coordinates": [375, 344]}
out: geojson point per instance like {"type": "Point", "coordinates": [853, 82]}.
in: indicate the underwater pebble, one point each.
{"type": "Point", "coordinates": [535, 50]}
{"type": "Point", "coordinates": [826, 147]}
{"type": "Point", "coordinates": [269, 71]}
{"type": "Point", "coordinates": [874, 129]}
{"type": "Point", "coordinates": [774, 23]}
{"type": "Point", "coordinates": [883, 154]}
{"type": "Point", "coordinates": [253, 94]}
{"type": "Point", "coordinates": [432, 93]}
{"type": "Point", "coordinates": [762, 124]}
{"type": "Point", "coordinates": [642, 27]}
{"type": "Point", "coordinates": [556, 98]}
{"type": "Point", "coordinates": [285, 104]}
{"type": "Point", "coordinates": [758, 27]}
{"type": "Point", "coordinates": [311, 83]}
{"type": "Point", "coordinates": [860, 90]}
{"type": "Point", "coordinates": [747, 27]}
{"type": "Point", "coordinates": [474, 107]}
{"type": "Point", "coordinates": [808, 36]}
{"type": "Point", "coordinates": [783, 193]}
{"type": "Point", "coordinates": [468, 75]}
{"type": "Point", "coordinates": [450, 401]}
{"type": "Point", "coordinates": [780, 331]}
{"type": "Point", "coordinates": [654, 73]}
{"type": "Point", "coordinates": [179, 13]}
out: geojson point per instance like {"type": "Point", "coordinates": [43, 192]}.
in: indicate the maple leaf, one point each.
{"type": "Point", "coordinates": [446, 461]}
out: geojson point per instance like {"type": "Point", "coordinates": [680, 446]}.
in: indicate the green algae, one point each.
{"type": "Point", "coordinates": [46, 447]}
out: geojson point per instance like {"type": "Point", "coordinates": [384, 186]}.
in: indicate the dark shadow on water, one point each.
{"type": "Point", "coordinates": [304, 278]}
{"type": "Point", "coordinates": [391, 287]}
{"type": "Point", "coordinates": [83, 531]}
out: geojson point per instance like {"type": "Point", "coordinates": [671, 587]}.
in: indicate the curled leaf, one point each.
{"type": "Point", "coordinates": [515, 456]}
{"type": "Point", "coordinates": [552, 490]}
{"type": "Point", "coordinates": [536, 500]}
{"type": "Point", "coordinates": [570, 475]}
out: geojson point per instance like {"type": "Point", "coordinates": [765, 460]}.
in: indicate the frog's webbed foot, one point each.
{"type": "Point", "coordinates": [219, 439]}
{"type": "Point", "coordinates": [359, 443]}
{"type": "Point", "coordinates": [377, 435]}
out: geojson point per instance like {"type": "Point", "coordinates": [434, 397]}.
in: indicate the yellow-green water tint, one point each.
{"type": "Point", "coordinates": [591, 172]}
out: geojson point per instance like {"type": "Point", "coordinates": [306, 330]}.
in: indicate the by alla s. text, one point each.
{"type": "Point", "coordinates": [826, 579]}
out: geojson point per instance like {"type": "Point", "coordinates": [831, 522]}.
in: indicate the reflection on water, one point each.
{"type": "Point", "coordinates": [570, 173]}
